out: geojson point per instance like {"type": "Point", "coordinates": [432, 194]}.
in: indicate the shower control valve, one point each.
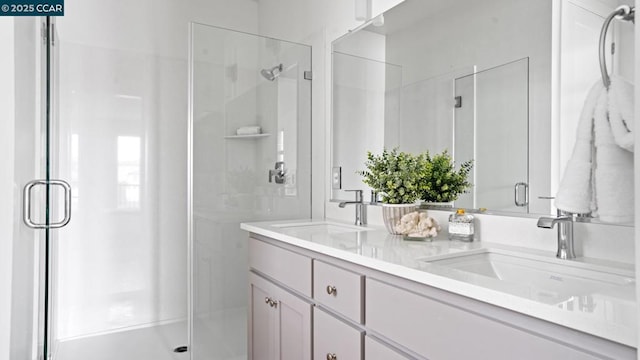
{"type": "Point", "coordinates": [278, 173]}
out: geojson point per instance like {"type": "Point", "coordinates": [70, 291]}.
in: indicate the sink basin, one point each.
{"type": "Point", "coordinates": [324, 227]}
{"type": "Point", "coordinates": [547, 280]}
{"type": "Point", "coordinates": [337, 235]}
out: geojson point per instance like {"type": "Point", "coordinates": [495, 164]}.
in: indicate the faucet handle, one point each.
{"type": "Point", "coordinates": [358, 194]}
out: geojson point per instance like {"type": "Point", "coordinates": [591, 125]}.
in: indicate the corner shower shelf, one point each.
{"type": "Point", "coordinates": [253, 136]}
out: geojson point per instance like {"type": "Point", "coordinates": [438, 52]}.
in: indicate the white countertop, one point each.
{"type": "Point", "coordinates": [609, 313]}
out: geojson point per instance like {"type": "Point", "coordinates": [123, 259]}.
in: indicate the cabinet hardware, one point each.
{"type": "Point", "coordinates": [331, 356]}
{"type": "Point", "coordinates": [331, 290]}
{"type": "Point", "coordinates": [271, 302]}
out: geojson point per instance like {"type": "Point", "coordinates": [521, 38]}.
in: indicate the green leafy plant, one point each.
{"type": "Point", "coordinates": [395, 175]}
{"type": "Point", "coordinates": [439, 181]}
{"type": "Point", "coordinates": [403, 178]}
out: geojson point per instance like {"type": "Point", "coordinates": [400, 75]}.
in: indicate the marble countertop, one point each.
{"type": "Point", "coordinates": [607, 311]}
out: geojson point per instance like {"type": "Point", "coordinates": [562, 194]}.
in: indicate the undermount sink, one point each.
{"type": "Point", "coordinates": [324, 227]}
{"type": "Point", "coordinates": [547, 280]}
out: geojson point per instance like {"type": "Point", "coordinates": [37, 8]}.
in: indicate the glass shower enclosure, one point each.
{"type": "Point", "coordinates": [250, 161]}
{"type": "Point", "coordinates": [128, 190]}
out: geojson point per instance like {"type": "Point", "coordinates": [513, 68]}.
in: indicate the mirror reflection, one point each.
{"type": "Point", "coordinates": [501, 82]}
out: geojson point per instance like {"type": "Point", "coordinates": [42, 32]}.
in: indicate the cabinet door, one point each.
{"type": "Point", "coordinates": [294, 326]}
{"type": "Point", "coordinates": [279, 323]}
{"type": "Point", "coordinates": [334, 339]}
{"type": "Point", "coordinates": [262, 323]}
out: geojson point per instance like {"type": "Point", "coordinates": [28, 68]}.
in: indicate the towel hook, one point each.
{"type": "Point", "coordinates": [623, 12]}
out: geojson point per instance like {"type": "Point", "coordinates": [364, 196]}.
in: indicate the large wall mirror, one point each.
{"type": "Point", "coordinates": [502, 82]}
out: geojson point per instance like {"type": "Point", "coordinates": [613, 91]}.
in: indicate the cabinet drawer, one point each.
{"type": "Point", "coordinates": [334, 337]}
{"type": "Point", "coordinates": [287, 267]}
{"type": "Point", "coordinates": [436, 330]}
{"type": "Point", "coordinates": [375, 350]}
{"type": "Point", "coordinates": [338, 289]}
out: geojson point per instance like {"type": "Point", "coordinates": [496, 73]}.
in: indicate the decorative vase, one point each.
{"type": "Point", "coordinates": [392, 213]}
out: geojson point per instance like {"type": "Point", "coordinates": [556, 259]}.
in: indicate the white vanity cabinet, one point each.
{"type": "Point", "coordinates": [308, 305]}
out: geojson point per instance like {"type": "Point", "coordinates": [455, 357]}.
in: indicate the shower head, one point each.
{"type": "Point", "coordinates": [273, 73]}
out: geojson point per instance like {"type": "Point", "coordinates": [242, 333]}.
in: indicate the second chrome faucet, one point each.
{"type": "Point", "coordinates": [565, 233]}
{"type": "Point", "coordinates": [361, 209]}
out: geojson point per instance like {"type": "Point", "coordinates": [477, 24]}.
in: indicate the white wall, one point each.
{"type": "Point", "coordinates": [7, 208]}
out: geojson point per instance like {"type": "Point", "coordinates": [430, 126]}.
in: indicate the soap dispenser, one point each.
{"type": "Point", "coordinates": [461, 226]}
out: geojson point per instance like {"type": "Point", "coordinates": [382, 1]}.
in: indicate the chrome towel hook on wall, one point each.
{"type": "Point", "coordinates": [623, 12]}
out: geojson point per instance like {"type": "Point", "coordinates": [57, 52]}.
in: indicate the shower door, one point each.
{"type": "Point", "coordinates": [250, 161]}
{"type": "Point", "coordinates": [118, 270]}
{"type": "Point", "coordinates": [29, 188]}
{"type": "Point", "coordinates": [492, 128]}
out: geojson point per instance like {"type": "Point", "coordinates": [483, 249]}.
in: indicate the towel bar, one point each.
{"type": "Point", "coordinates": [624, 12]}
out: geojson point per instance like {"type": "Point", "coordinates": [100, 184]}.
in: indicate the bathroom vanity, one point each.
{"type": "Point", "coordinates": [327, 290]}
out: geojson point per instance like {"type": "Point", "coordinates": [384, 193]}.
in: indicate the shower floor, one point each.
{"type": "Point", "coordinates": [226, 342]}
{"type": "Point", "coordinates": [221, 335]}
{"type": "Point", "coordinates": [154, 342]}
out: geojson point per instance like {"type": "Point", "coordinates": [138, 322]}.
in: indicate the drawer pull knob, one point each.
{"type": "Point", "coordinates": [270, 302]}
{"type": "Point", "coordinates": [331, 290]}
{"type": "Point", "coordinates": [331, 356]}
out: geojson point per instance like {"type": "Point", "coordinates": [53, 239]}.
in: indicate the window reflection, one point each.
{"type": "Point", "coordinates": [128, 172]}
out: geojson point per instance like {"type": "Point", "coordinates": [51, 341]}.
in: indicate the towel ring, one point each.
{"type": "Point", "coordinates": [623, 12]}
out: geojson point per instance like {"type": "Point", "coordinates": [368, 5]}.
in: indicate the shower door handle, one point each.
{"type": "Point", "coordinates": [516, 190]}
{"type": "Point", "coordinates": [26, 204]}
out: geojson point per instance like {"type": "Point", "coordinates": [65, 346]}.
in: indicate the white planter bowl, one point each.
{"type": "Point", "coordinates": [392, 213]}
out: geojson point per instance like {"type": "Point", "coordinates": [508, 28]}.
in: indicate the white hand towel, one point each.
{"type": "Point", "coordinates": [249, 130]}
{"type": "Point", "coordinates": [575, 193]}
{"type": "Point", "coordinates": [614, 170]}
{"type": "Point", "coordinates": [621, 110]}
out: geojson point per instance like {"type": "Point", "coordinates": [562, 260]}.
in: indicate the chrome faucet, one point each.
{"type": "Point", "coordinates": [361, 210]}
{"type": "Point", "coordinates": [565, 233]}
